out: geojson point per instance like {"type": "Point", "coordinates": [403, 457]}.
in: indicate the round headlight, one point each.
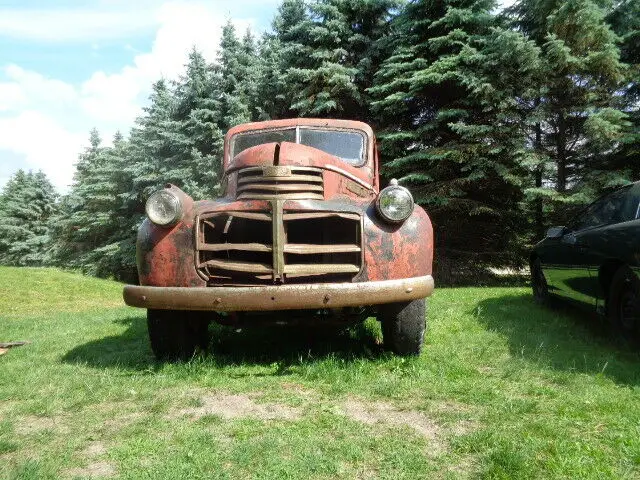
{"type": "Point", "coordinates": [395, 203]}
{"type": "Point", "coordinates": [163, 208]}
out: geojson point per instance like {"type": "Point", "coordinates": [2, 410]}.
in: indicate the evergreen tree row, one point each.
{"type": "Point", "coordinates": [501, 123]}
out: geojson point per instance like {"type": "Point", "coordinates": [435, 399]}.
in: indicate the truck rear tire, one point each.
{"type": "Point", "coordinates": [175, 335]}
{"type": "Point", "coordinates": [403, 326]}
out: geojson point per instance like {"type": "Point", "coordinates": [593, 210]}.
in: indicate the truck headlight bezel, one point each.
{"type": "Point", "coordinates": [395, 203]}
{"type": "Point", "coordinates": [163, 208]}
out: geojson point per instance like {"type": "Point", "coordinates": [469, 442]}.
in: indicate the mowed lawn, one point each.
{"type": "Point", "coordinates": [504, 389]}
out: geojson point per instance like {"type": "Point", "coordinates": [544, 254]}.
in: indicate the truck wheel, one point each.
{"type": "Point", "coordinates": [623, 304]}
{"type": "Point", "coordinates": [175, 335]}
{"type": "Point", "coordinates": [539, 284]}
{"type": "Point", "coordinates": [403, 326]}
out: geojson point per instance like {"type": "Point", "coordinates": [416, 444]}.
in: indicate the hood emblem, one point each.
{"type": "Point", "coordinates": [276, 171]}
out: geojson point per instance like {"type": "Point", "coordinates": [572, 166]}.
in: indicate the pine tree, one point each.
{"type": "Point", "coordinates": [449, 101]}
{"type": "Point", "coordinates": [28, 202]}
{"type": "Point", "coordinates": [199, 139]}
{"type": "Point", "coordinates": [272, 101]}
{"type": "Point", "coordinates": [152, 144]}
{"type": "Point", "coordinates": [250, 65]}
{"type": "Point", "coordinates": [624, 20]}
{"type": "Point", "coordinates": [579, 122]}
{"type": "Point", "coordinates": [343, 50]}
{"type": "Point", "coordinates": [115, 257]}
{"type": "Point", "coordinates": [281, 53]}
{"type": "Point", "coordinates": [90, 224]}
{"type": "Point", "coordinates": [235, 104]}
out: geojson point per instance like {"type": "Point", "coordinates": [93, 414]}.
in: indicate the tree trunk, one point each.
{"type": "Point", "coordinates": [537, 206]}
{"type": "Point", "coordinates": [561, 160]}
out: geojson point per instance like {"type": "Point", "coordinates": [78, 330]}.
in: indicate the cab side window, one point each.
{"type": "Point", "coordinates": [631, 206]}
{"type": "Point", "coordinates": [614, 208]}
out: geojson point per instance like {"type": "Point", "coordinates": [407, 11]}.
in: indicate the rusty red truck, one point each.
{"type": "Point", "coordinates": [302, 230]}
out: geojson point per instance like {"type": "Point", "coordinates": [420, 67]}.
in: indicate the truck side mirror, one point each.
{"type": "Point", "coordinates": [556, 232]}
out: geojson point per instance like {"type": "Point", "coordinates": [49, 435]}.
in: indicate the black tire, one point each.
{"type": "Point", "coordinates": [623, 304]}
{"type": "Point", "coordinates": [175, 335]}
{"type": "Point", "coordinates": [539, 285]}
{"type": "Point", "coordinates": [403, 326]}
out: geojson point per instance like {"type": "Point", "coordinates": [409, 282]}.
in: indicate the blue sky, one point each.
{"type": "Point", "coordinates": [68, 66]}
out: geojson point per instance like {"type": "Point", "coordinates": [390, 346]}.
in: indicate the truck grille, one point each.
{"type": "Point", "coordinates": [299, 183]}
{"type": "Point", "coordinates": [253, 248]}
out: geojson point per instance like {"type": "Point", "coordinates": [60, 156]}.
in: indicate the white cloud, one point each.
{"type": "Point", "coordinates": [64, 25]}
{"type": "Point", "coordinates": [11, 96]}
{"type": "Point", "coordinates": [47, 120]}
{"type": "Point", "coordinates": [43, 143]}
{"type": "Point", "coordinates": [113, 97]}
{"type": "Point", "coordinates": [25, 88]}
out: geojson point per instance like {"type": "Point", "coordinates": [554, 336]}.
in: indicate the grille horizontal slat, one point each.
{"type": "Point", "coordinates": [297, 178]}
{"type": "Point", "coordinates": [247, 267]}
{"type": "Point", "coordinates": [312, 269]}
{"type": "Point", "coordinates": [309, 215]}
{"type": "Point", "coordinates": [281, 187]}
{"type": "Point", "coordinates": [302, 249]}
{"type": "Point", "coordinates": [249, 247]}
{"type": "Point", "coordinates": [275, 182]}
{"type": "Point", "coordinates": [288, 196]}
{"type": "Point", "coordinates": [252, 215]}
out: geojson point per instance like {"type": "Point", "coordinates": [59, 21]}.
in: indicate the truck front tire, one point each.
{"type": "Point", "coordinates": [175, 335]}
{"type": "Point", "coordinates": [403, 326]}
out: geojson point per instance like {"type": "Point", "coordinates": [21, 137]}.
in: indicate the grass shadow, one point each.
{"type": "Point", "coordinates": [561, 337]}
{"type": "Point", "coordinates": [289, 345]}
{"type": "Point", "coordinates": [260, 345]}
{"type": "Point", "coordinates": [128, 350]}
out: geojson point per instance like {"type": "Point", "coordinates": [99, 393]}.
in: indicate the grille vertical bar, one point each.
{"type": "Point", "coordinates": [279, 237]}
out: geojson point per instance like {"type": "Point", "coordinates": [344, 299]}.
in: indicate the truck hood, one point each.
{"type": "Point", "coordinates": [294, 154]}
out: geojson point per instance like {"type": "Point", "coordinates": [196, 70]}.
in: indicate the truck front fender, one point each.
{"type": "Point", "coordinates": [397, 251]}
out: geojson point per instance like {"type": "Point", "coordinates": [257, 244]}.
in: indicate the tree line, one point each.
{"type": "Point", "coordinates": [501, 123]}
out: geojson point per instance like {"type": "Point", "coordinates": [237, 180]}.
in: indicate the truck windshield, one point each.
{"type": "Point", "coordinates": [346, 145]}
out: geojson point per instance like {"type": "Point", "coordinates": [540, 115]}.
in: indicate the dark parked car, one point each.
{"type": "Point", "coordinates": [595, 261]}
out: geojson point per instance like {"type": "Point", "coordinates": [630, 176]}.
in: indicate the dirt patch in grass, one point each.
{"type": "Point", "coordinates": [121, 421]}
{"type": "Point", "coordinates": [237, 406]}
{"type": "Point", "coordinates": [117, 415]}
{"type": "Point", "coordinates": [453, 417]}
{"type": "Point", "coordinates": [297, 388]}
{"type": "Point", "coordinates": [33, 424]}
{"type": "Point", "coordinates": [95, 449]}
{"type": "Point", "coordinates": [381, 413]}
{"type": "Point", "coordinates": [93, 470]}
{"type": "Point", "coordinates": [464, 468]}
{"type": "Point", "coordinates": [366, 472]}
{"type": "Point", "coordinates": [449, 406]}
{"type": "Point", "coordinates": [96, 467]}
{"type": "Point", "coordinates": [6, 406]}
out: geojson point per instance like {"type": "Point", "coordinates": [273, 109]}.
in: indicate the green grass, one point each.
{"type": "Point", "coordinates": [29, 292]}
{"type": "Point", "coordinates": [504, 389]}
